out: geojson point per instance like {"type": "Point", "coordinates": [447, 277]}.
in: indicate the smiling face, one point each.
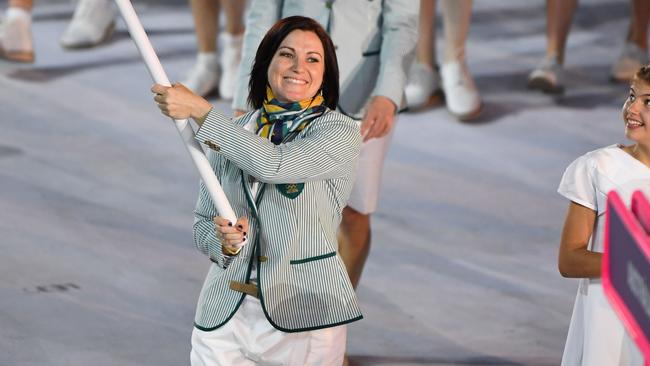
{"type": "Point", "coordinates": [636, 112]}
{"type": "Point", "coordinates": [297, 68]}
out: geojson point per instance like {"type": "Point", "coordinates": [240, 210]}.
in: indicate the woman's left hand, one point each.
{"type": "Point", "coordinates": [178, 102]}
{"type": "Point", "coordinates": [231, 235]}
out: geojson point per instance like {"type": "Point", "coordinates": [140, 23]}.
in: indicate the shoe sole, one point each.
{"type": "Point", "coordinates": [17, 56]}
{"type": "Point", "coordinates": [104, 39]}
{"type": "Point", "coordinates": [435, 99]}
{"type": "Point", "coordinates": [546, 87]}
{"type": "Point", "coordinates": [467, 117]}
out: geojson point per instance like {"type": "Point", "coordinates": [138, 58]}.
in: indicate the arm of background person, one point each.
{"type": "Point", "coordinates": [262, 14]}
{"type": "Point", "coordinates": [399, 38]}
{"type": "Point", "coordinates": [574, 259]}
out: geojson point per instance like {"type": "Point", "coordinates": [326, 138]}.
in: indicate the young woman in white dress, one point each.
{"type": "Point", "coordinates": [596, 336]}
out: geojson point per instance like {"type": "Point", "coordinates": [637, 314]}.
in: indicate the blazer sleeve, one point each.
{"type": "Point", "coordinates": [326, 149]}
{"type": "Point", "coordinates": [261, 16]}
{"type": "Point", "coordinates": [203, 230]}
{"type": "Point", "coordinates": [399, 38]}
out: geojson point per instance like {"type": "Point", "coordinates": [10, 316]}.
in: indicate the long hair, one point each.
{"type": "Point", "coordinates": [270, 44]}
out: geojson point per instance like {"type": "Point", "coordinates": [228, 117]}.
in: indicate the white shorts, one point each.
{"type": "Point", "coordinates": [365, 192]}
{"type": "Point", "coordinates": [249, 339]}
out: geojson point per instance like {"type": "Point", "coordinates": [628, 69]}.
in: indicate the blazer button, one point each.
{"type": "Point", "coordinates": [262, 258]}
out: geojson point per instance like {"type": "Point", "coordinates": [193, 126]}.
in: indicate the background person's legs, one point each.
{"type": "Point", "coordinates": [547, 77]}
{"type": "Point", "coordinates": [92, 24]}
{"type": "Point", "coordinates": [461, 95]}
{"type": "Point", "coordinates": [231, 41]}
{"type": "Point", "coordinates": [210, 70]}
{"type": "Point", "coordinates": [355, 231]}
{"type": "Point", "coordinates": [456, 18]}
{"type": "Point", "coordinates": [425, 52]}
{"type": "Point", "coordinates": [16, 32]}
{"type": "Point", "coordinates": [635, 50]}
{"type": "Point", "coordinates": [559, 17]}
{"type": "Point", "coordinates": [423, 87]}
{"type": "Point", "coordinates": [638, 31]}
{"type": "Point", "coordinates": [203, 77]}
{"type": "Point", "coordinates": [354, 242]}
{"type": "Point", "coordinates": [23, 4]}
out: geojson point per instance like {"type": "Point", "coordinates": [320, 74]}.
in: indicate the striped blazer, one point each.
{"type": "Point", "coordinates": [303, 284]}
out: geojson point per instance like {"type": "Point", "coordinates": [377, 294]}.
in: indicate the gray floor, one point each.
{"type": "Point", "coordinates": [96, 193]}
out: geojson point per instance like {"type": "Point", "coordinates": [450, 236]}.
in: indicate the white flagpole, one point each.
{"type": "Point", "coordinates": [187, 134]}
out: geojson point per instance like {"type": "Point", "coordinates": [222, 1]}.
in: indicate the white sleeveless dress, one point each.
{"type": "Point", "coordinates": [596, 336]}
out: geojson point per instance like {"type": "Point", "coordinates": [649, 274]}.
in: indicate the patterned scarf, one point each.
{"type": "Point", "coordinates": [279, 119]}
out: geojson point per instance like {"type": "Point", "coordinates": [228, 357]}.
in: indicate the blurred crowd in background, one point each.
{"type": "Point", "coordinates": [433, 79]}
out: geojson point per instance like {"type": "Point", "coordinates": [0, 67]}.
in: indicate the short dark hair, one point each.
{"type": "Point", "coordinates": [644, 74]}
{"type": "Point", "coordinates": [269, 45]}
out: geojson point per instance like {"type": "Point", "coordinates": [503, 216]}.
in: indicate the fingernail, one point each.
{"type": "Point", "coordinates": [244, 233]}
{"type": "Point", "coordinates": [229, 223]}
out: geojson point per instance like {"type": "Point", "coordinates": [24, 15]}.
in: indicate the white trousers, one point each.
{"type": "Point", "coordinates": [249, 339]}
{"type": "Point", "coordinates": [365, 192]}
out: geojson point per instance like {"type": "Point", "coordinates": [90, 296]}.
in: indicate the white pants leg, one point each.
{"type": "Point", "coordinates": [221, 346]}
{"type": "Point", "coordinates": [249, 339]}
{"type": "Point", "coordinates": [327, 347]}
{"type": "Point", "coordinates": [365, 193]}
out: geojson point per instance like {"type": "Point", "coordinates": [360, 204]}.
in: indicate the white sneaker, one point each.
{"type": "Point", "coordinates": [93, 23]}
{"type": "Point", "coordinates": [461, 95]}
{"type": "Point", "coordinates": [231, 45]}
{"type": "Point", "coordinates": [547, 77]}
{"type": "Point", "coordinates": [423, 87]}
{"type": "Point", "coordinates": [629, 62]}
{"type": "Point", "coordinates": [203, 77]}
{"type": "Point", "coordinates": [16, 36]}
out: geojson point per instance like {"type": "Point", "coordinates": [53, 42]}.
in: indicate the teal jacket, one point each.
{"type": "Point", "coordinates": [292, 240]}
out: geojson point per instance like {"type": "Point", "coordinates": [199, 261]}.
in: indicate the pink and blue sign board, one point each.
{"type": "Point", "coordinates": [626, 265]}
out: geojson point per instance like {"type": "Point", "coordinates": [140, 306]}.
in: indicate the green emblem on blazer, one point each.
{"type": "Point", "coordinates": [291, 190]}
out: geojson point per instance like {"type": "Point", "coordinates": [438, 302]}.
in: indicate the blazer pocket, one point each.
{"type": "Point", "coordinates": [311, 259]}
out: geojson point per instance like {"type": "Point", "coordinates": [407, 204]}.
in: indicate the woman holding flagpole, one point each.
{"type": "Point", "coordinates": [277, 291]}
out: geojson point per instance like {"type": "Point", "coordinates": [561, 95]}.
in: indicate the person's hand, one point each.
{"type": "Point", "coordinates": [379, 118]}
{"type": "Point", "coordinates": [178, 102]}
{"type": "Point", "coordinates": [238, 112]}
{"type": "Point", "coordinates": [231, 235]}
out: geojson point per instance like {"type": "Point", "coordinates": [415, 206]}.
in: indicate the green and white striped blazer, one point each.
{"type": "Point", "coordinates": [302, 280]}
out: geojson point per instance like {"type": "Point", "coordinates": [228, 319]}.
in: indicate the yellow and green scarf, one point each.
{"type": "Point", "coordinates": [279, 119]}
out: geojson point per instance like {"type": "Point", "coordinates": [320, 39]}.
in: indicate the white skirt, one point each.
{"type": "Point", "coordinates": [596, 335]}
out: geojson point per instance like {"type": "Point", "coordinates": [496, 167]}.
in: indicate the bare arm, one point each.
{"type": "Point", "coordinates": [574, 259]}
